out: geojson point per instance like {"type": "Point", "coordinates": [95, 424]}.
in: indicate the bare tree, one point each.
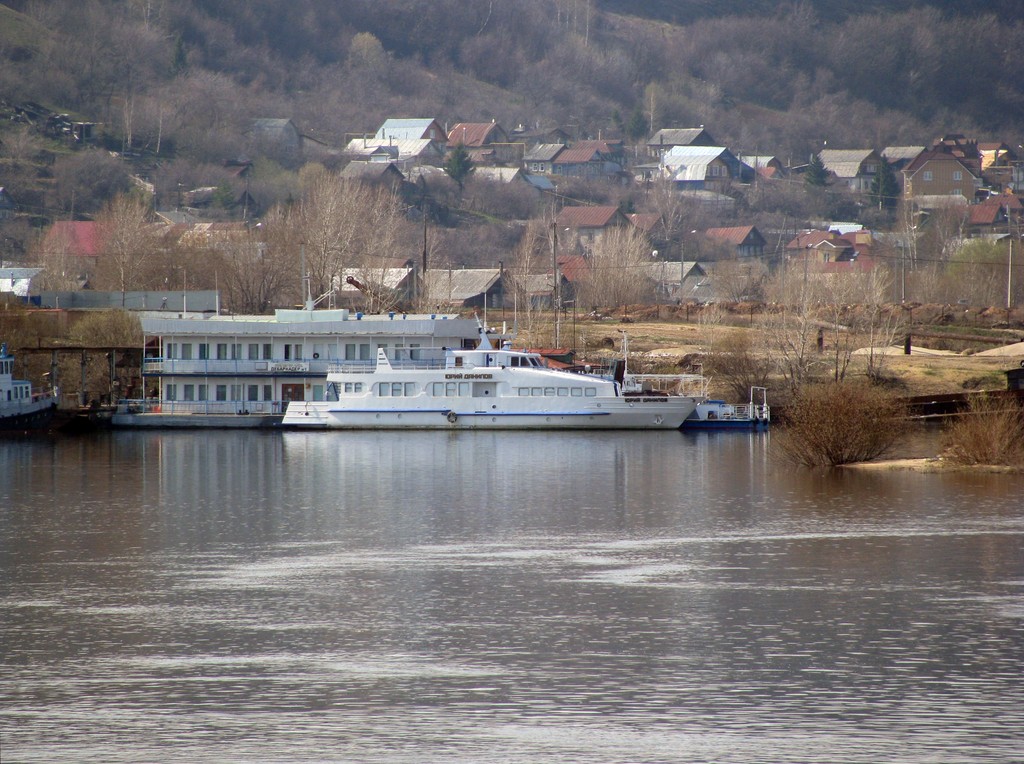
{"type": "Point", "coordinates": [128, 245]}
{"type": "Point", "coordinates": [618, 273]}
{"type": "Point", "coordinates": [258, 268]}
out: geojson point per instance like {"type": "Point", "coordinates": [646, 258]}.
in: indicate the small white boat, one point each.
{"type": "Point", "coordinates": [713, 414]}
{"type": "Point", "coordinates": [490, 388]}
{"type": "Point", "coordinates": [21, 409]}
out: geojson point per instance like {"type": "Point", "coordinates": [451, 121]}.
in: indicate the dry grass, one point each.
{"type": "Point", "coordinates": [833, 424]}
{"type": "Point", "coordinates": [991, 431]}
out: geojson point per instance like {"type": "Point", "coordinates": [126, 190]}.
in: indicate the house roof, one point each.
{"type": "Point", "coordinates": [579, 153]}
{"type": "Point", "coordinates": [681, 136]}
{"type": "Point", "coordinates": [934, 156]}
{"type": "Point", "coordinates": [539, 182]}
{"type": "Point", "coordinates": [498, 174]}
{"type": "Point", "coordinates": [845, 163]}
{"type": "Point", "coordinates": [471, 134]}
{"type": "Point", "coordinates": [589, 217]}
{"type": "Point", "coordinates": [810, 238]}
{"type": "Point", "coordinates": [901, 153]}
{"type": "Point", "coordinates": [370, 171]}
{"type": "Point", "coordinates": [389, 278]}
{"type": "Point", "coordinates": [572, 267]}
{"type": "Point", "coordinates": [691, 162]}
{"type": "Point", "coordinates": [645, 221]}
{"type": "Point", "coordinates": [79, 238]}
{"type": "Point", "coordinates": [543, 152]}
{"type": "Point", "coordinates": [408, 129]}
{"type": "Point", "coordinates": [736, 236]}
{"type": "Point", "coordinates": [271, 124]}
{"type": "Point", "coordinates": [459, 284]}
{"type": "Point", "coordinates": [409, 148]}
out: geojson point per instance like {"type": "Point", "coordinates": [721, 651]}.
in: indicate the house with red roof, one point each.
{"type": "Point", "coordinates": [588, 223]}
{"type": "Point", "coordinates": [487, 143]}
{"type": "Point", "coordinates": [741, 241]}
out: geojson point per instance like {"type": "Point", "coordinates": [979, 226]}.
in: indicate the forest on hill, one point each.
{"type": "Point", "coordinates": [779, 77]}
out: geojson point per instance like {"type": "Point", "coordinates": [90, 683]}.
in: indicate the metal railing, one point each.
{"type": "Point", "coordinates": [157, 406]}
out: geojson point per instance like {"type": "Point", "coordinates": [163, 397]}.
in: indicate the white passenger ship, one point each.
{"type": "Point", "coordinates": [489, 388]}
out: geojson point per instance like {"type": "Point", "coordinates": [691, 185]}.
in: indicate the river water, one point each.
{"type": "Point", "coordinates": [500, 597]}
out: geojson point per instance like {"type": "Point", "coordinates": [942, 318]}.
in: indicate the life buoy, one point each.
{"type": "Point", "coordinates": [452, 417]}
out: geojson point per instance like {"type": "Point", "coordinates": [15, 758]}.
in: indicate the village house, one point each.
{"type": "Point", "coordinates": [740, 242]}
{"type": "Point", "coordinates": [411, 129]}
{"type": "Point", "coordinates": [701, 168]}
{"type": "Point", "coordinates": [996, 215]}
{"type": "Point", "coordinates": [487, 143]}
{"type": "Point", "coordinates": [939, 173]}
{"type": "Point", "coordinates": [276, 137]}
{"type": "Point", "coordinates": [586, 224]}
{"type": "Point", "coordinates": [670, 137]}
{"type": "Point", "coordinates": [854, 168]}
{"type": "Point", "coordinates": [541, 158]}
{"type": "Point", "coordinates": [404, 151]}
{"type": "Point", "coordinates": [591, 160]}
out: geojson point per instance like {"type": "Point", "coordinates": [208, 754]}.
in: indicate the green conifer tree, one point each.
{"type": "Point", "coordinates": [458, 165]}
{"type": "Point", "coordinates": [816, 174]}
{"type": "Point", "coordinates": [884, 187]}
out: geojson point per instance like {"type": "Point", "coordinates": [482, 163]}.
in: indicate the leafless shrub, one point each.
{"type": "Point", "coordinates": [840, 423]}
{"type": "Point", "coordinates": [991, 431]}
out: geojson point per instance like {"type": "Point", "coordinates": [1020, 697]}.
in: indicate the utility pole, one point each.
{"type": "Point", "coordinates": [554, 282]}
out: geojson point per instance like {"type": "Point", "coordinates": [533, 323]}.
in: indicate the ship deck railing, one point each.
{"type": "Point", "coordinates": [223, 408]}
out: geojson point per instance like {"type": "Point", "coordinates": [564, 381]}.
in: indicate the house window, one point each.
{"type": "Point", "coordinates": [927, 175]}
{"type": "Point", "coordinates": [958, 175]}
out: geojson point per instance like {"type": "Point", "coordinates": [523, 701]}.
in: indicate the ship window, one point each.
{"type": "Point", "coordinates": [384, 389]}
{"type": "Point", "coordinates": [254, 351]}
{"type": "Point", "coordinates": [350, 351]}
{"type": "Point", "coordinates": [536, 391]}
{"type": "Point", "coordinates": [396, 388]}
{"type": "Point", "coordinates": [268, 351]}
{"type": "Point", "coordinates": [236, 351]}
{"type": "Point", "coordinates": [577, 392]}
{"type": "Point", "coordinates": [236, 392]}
{"type": "Point", "coordinates": [186, 351]}
{"type": "Point", "coordinates": [524, 391]}
{"type": "Point", "coordinates": [451, 388]}
{"type": "Point", "coordinates": [222, 392]}
{"type": "Point", "coordinates": [364, 351]}
{"type": "Point", "coordinates": [204, 351]}
{"type": "Point", "coordinates": [590, 392]}
{"type": "Point", "coordinates": [253, 393]}
{"type": "Point", "coordinates": [172, 392]}
{"type": "Point", "coordinates": [222, 351]}
{"type": "Point", "coordinates": [201, 393]}
{"type": "Point", "coordinates": [410, 388]}
{"type": "Point", "coordinates": [563, 392]}
{"type": "Point", "coordinates": [318, 392]}
{"type": "Point", "coordinates": [463, 388]}
{"type": "Point", "coordinates": [268, 392]}
{"type": "Point", "coordinates": [190, 392]}
{"type": "Point", "coordinates": [548, 391]}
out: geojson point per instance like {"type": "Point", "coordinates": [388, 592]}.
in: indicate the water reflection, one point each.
{"type": "Point", "coordinates": [500, 596]}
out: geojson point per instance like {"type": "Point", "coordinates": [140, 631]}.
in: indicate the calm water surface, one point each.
{"type": "Point", "coordinates": [505, 597]}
